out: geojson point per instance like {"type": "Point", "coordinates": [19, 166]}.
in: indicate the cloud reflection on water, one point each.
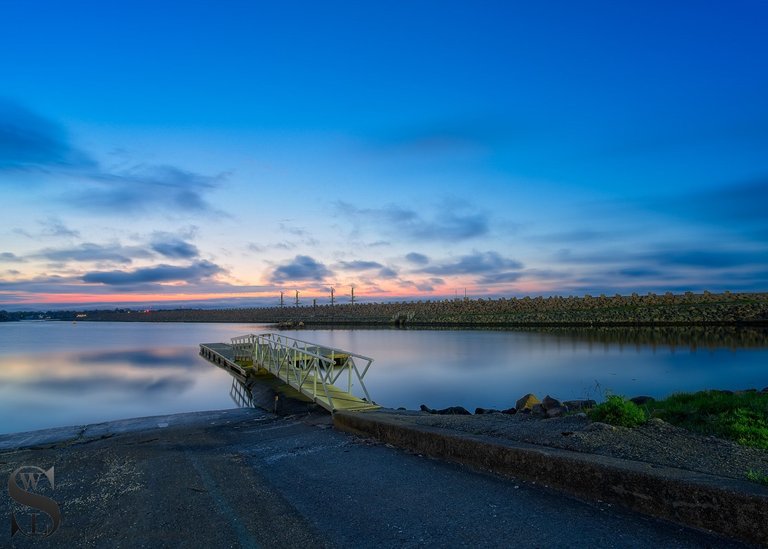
{"type": "Point", "coordinates": [177, 358]}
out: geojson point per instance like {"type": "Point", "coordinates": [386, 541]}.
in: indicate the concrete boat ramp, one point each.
{"type": "Point", "coordinates": [248, 478]}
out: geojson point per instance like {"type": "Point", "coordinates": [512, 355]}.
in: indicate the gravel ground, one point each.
{"type": "Point", "coordinates": [656, 442]}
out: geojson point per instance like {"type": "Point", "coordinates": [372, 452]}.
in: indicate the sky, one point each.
{"type": "Point", "coordinates": [167, 154]}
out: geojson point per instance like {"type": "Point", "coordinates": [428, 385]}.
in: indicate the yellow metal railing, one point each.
{"type": "Point", "coordinates": [309, 368]}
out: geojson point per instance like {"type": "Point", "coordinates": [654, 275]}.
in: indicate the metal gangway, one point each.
{"type": "Point", "coordinates": [313, 370]}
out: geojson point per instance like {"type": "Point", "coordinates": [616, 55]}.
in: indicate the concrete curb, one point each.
{"type": "Point", "coordinates": [734, 508]}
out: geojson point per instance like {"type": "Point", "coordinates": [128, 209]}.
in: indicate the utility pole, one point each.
{"type": "Point", "coordinates": [465, 294]}
{"type": "Point", "coordinates": [353, 295]}
{"type": "Point", "coordinates": [331, 295]}
{"type": "Point", "coordinates": [281, 299]}
{"type": "Point", "coordinates": [297, 298]}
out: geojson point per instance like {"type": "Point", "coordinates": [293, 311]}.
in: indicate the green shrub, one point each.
{"type": "Point", "coordinates": [616, 410]}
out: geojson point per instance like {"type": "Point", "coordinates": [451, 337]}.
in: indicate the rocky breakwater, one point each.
{"type": "Point", "coordinates": [548, 407]}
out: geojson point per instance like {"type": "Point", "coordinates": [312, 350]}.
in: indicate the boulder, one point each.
{"type": "Point", "coordinates": [557, 411]}
{"type": "Point", "coordinates": [640, 400]}
{"type": "Point", "coordinates": [453, 411]}
{"type": "Point", "coordinates": [527, 402]}
{"type": "Point", "coordinates": [509, 411]}
{"type": "Point", "coordinates": [538, 410]}
{"type": "Point", "coordinates": [425, 408]}
{"type": "Point", "coordinates": [549, 402]}
{"type": "Point", "coordinates": [580, 404]}
{"type": "Point", "coordinates": [479, 411]}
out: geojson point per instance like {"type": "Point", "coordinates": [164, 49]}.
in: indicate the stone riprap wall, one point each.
{"type": "Point", "coordinates": [651, 309]}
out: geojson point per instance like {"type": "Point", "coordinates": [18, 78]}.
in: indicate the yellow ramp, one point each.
{"type": "Point", "coordinates": [339, 400]}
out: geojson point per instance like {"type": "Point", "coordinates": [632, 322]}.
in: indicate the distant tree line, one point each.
{"type": "Point", "coordinates": [646, 310]}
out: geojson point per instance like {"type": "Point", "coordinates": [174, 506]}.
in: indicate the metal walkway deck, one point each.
{"type": "Point", "coordinates": [311, 369]}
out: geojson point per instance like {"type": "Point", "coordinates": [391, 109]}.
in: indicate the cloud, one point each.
{"type": "Point", "coordinates": [158, 273]}
{"type": "Point", "coordinates": [360, 265]}
{"type": "Point", "coordinates": [55, 227]}
{"type": "Point", "coordinates": [451, 224]}
{"type": "Point", "coordinates": [639, 272]}
{"type": "Point", "coordinates": [8, 257]}
{"type": "Point", "coordinates": [670, 258]}
{"type": "Point", "coordinates": [173, 247]}
{"type": "Point", "coordinates": [736, 206]}
{"type": "Point", "coordinates": [500, 278]}
{"type": "Point", "coordinates": [93, 252]}
{"type": "Point", "coordinates": [416, 258]}
{"type": "Point", "coordinates": [31, 142]}
{"type": "Point", "coordinates": [707, 258]}
{"type": "Point", "coordinates": [144, 187]}
{"type": "Point", "coordinates": [485, 263]}
{"type": "Point", "coordinates": [422, 286]}
{"type": "Point", "coordinates": [387, 272]}
{"type": "Point", "coordinates": [301, 268]}
{"type": "Point", "coordinates": [583, 235]}
{"type": "Point", "coordinates": [737, 202]}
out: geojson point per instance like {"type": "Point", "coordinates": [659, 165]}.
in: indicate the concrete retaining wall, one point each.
{"type": "Point", "coordinates": [734, 508]}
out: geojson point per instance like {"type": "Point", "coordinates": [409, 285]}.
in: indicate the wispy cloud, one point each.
{"type": "Point", "coordinates": [31, 142]}
{"type": "Point", "coordinates": [477, 263]}
{"type": "Point", "coordinates": [56, 227]}
{"type": "Point", "coordinates": [145, 187]}
{"type": "Point", "coordinates": [417, 258]}
{"type": "Point", "coordinates": [9, 257]}
{"type": "Point", "coordinates": [301, 268]}
{"type": "Point", "coordinates": [159, 273]}
{"type": "Point", "coordinates": [173, 247]}
{"type": "Point", "coordinates": [89, 251]}
{"type": "Point", "coordinates": [663, 256]}
{"type": "Point", "coordinates": [452, 223]}
{"type": "Point", "coordinates": [360, 265]}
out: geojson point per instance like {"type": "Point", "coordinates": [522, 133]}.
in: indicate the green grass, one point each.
{"type": "Point", "coordinates": [742, 417]}
{"type": "Point", "coordinates": [616, 410]}
{"type": "Point", "coordinates": [756, 476]}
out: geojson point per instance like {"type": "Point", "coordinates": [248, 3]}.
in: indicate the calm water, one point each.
{"type": "Point", "coordinates": [57, 373]}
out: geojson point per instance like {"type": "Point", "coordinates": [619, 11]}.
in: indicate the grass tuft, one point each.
{"type": "Point", "coordinates": [616, 410]}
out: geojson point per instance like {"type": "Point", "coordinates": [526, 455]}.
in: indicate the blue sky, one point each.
{"type": "Point", "coordinates": [170, 153]}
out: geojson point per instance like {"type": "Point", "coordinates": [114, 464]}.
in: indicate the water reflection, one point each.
{"type": "Point", "coordinates": [240, 394]}
{"type": "Point", "coordinates": [493, 368]}
{"type": "Point", "coordinates": [154, 386]}
{"type": "Point", "coordinates": [54, 374]}
{"type": "Point", "coordinates": [693, 337]}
